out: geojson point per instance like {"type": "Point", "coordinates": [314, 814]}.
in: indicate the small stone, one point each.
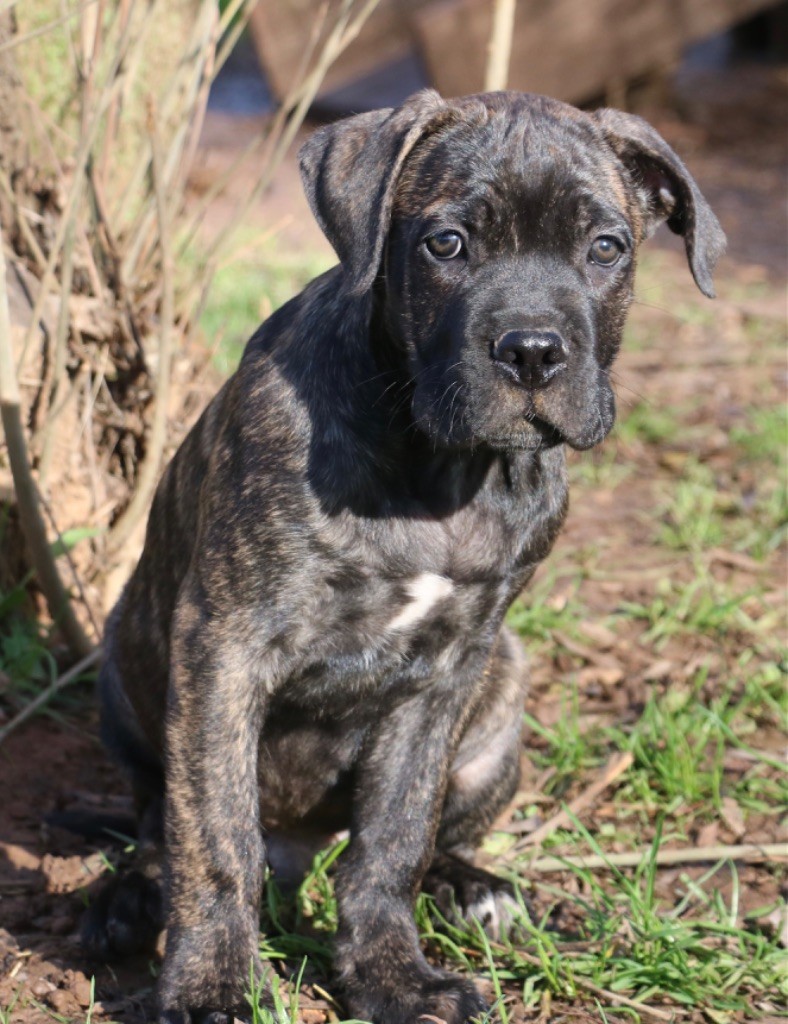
{"type": "Point", "coordinates": [80, 986]}
{"type": "Point", "coordinates": [61, 1001]}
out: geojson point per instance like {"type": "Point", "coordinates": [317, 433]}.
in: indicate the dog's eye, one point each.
{"type": "Point", "coordinates": [446, 245]}
{"type": "Point", "coordinates": [605, 251]}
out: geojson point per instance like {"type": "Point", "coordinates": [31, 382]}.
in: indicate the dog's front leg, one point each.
{"type": "Point", "coordinates": [214, 850]}
{"type": "Point", "coordinates": [401, 785]}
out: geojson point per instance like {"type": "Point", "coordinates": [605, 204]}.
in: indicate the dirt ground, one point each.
{"type": "Point", "coordinates": [730, 129]}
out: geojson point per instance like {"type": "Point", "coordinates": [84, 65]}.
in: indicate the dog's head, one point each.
{"type": "Point", "coordinates": [507, 227]}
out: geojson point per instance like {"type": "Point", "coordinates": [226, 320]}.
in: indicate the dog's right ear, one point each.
{"type": "Point", "coordinates": [350, 171]}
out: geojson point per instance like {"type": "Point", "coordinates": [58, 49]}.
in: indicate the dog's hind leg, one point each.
{"type": "Point", "coordinates": [484, 778]}
{"type": "Point", "coordinates": [126, 914]}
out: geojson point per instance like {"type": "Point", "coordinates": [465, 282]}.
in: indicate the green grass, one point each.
{"type": "Point", "coordinates": [679, 746]}
{"type": "Point", "coordinates": [564, 747]}
{"type": "Point", "coordinates": [541, 609]}
{"type": "Point", "coordinates": [649, 423]}
{"type": "Point", "coordinates": [627, 941]}
{"type": "Point", "coordinates": [702, 605]}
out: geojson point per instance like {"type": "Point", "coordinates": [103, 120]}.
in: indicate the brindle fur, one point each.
{"type": "Point", "coordinates": [313, 637]}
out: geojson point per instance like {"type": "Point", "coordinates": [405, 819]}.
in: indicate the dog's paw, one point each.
{"type": "Point", "coordinates": [208, 972]}
{"type": "Point", "coordinates": [439, 997]}
{"type": "Point", "coordinates": [125, 917]}
{"type": "Point", "coordinates": [461, 890]}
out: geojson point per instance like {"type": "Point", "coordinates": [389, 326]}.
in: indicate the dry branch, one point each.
{"type": "Point", "coordinates": [27, 496]}
{"type": "Point", "coordinates": [149, 470]}
{"type": "Point", "coordinates": [751, 852]}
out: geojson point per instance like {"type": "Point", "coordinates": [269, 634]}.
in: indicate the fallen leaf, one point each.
{"type": "Point", "coordinates": [657, 670]}
{"type": "Point", "coordinates": [674, 461]}
{"type": "Point", "coordinates": [732, 816]}
{"type": "Point", "coordinates": [598, 674]}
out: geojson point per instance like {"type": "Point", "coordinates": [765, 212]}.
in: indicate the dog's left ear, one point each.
{"type": "Point", "coordinates": [667, 191]}
{"type": "Point", "coordinates": [350, 171]}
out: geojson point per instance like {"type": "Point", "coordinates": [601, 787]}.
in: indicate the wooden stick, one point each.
{"type": "Point", "coordinates": [500, 49]}
{"type": "Point", "coordinates": [753, 852]}
{"type": "Point", "coordinates": [615, 767]}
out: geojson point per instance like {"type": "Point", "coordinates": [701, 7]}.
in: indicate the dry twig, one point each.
{"type": "Point", "coordinates": [26, 493]}
{"type": "Point", "coordinates": [751, 852]}
{"type": "Point", "coordinates": [149, 470]}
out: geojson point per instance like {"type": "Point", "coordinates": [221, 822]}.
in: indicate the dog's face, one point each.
{"type": "Point", "coordinates": [507, 225]}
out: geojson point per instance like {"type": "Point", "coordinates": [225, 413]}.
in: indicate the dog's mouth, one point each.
{"type": "Point", "coordinates": [535, 435]}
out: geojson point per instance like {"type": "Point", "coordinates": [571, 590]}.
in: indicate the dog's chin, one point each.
{"type": "Point", "coordinates": [529, 430]}
{"type": "Point", "coordinates": [531, 436]}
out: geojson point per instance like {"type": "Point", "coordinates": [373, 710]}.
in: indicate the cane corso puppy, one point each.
{"type": "Point", "coordinates": [313, 639]}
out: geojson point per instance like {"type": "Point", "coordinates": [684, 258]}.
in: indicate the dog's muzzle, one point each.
{"type": "Point", "coordinates": [531, 358]}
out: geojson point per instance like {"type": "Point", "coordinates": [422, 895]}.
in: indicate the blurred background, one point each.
{"type": "Point", "coordinates": [152, 215]}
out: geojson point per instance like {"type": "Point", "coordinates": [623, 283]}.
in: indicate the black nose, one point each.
{"type": "Point", "coordinates": [535, 357]}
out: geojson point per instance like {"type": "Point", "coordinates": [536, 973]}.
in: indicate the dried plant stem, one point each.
{"type": "Point", "coordinates": [21, 219]}
{"type": "Point", "coordinates": [81, 159]}
{"type": "Point", "coordinates": [60, 381]}
{"type": "Point", "coordinates": [285, 128]}
{"type": "Point", "coordinates": [140, 234]}
{"type": "Point", "coordinates": [119, 213]}
{"type": "Point", "coordinates": [230, 29]}
{"type": "Point", "coordinates": [753, 852]}
{"type": "Point", "coordinates": [43, 30]}
{"type": "Point", "coordinates": [46, 695]}
{"type": "Point", "coordinates": [149, 469]}
{"type": "Point", "coordinates": [270, 130]}
{"type": "Point", "coordinates": [26, 494]}
{"type": "Point", "coordinates": [500, 48]}
{"type": "Point", "coordinates": [614, 998]}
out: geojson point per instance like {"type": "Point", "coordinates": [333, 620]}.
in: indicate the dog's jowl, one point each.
{"type": "Point", "coordinates": [313, 639]}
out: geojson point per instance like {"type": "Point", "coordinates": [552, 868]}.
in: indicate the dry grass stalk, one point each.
{"type": "Point", "coordinates": [149, 470]}
{"type": "Point", "coordinates": [25, 488]}
{"type": "Point", "coordinates": [750, 852]}
{"type": "Point", "coordinates": [500, 47]}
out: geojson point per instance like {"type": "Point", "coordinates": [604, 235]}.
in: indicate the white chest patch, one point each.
{"type": "Point", "coordinates": [425, 592]}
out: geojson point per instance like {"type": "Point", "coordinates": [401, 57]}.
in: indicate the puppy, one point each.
{"type": "Point", "coordinates": [313, 638]}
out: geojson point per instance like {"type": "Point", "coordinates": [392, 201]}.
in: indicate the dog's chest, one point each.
{"type": "Point", "coordinates": [405, 599]}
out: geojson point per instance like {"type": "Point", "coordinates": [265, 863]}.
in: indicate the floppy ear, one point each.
{"type": "Point", "coordinates": [667, 191]}
{"type": "Point", "coordinates": [349, 170]}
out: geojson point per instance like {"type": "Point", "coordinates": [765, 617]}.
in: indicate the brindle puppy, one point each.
{"type": "Point", "coordinates": [313, 638]}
